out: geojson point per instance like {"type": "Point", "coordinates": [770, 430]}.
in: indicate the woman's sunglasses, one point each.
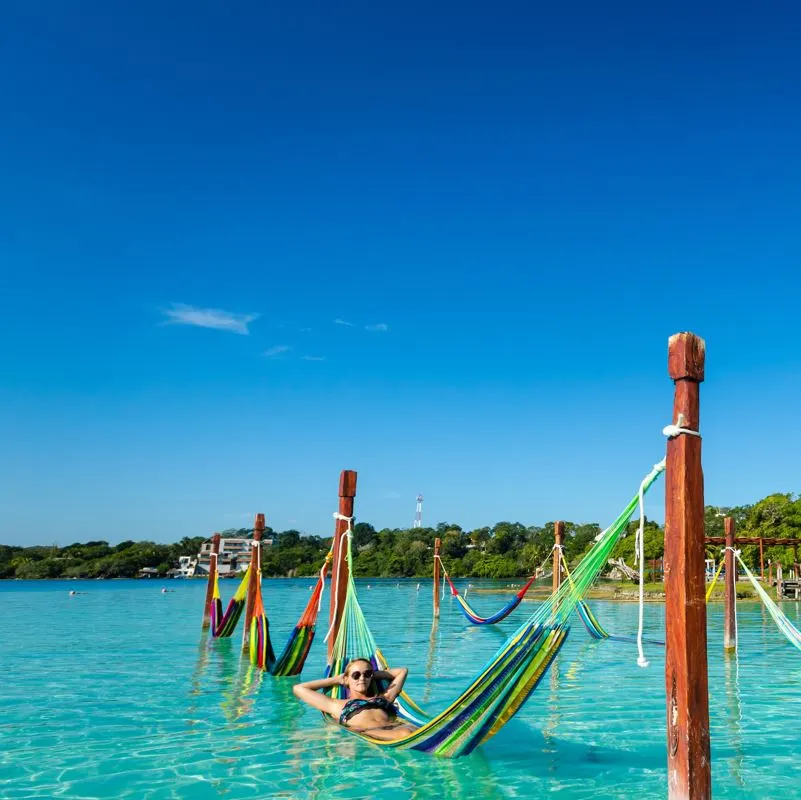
{"type": "Point", "coordinates": [368, 673]}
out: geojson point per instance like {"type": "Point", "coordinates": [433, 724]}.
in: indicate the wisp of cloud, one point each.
{"type": "Point", "coordinates": [278, 350]}
{"type": "Point", "coordinates": [215, 318]}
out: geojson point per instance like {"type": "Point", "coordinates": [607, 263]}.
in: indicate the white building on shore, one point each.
{"type": "Point", "coordinates": [233, 558]}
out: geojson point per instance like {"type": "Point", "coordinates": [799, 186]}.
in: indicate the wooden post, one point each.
{"type": "Point", "coordinates": [339, 565]}
{"type": "Point", "coordinates": [779, 581]}
{"type": "Point", "coordinates": [559, 540]}
{"type": "Point", "coordinates": [686, 680]}
{"type": "Point", "coordinates": [730, 609]}
{"type": "Point", "coordinates": [215, 550]}
{"type": "Point", "coordinates": [437, 544]}
{"type": "Point", "coordinates": [254, 578]}
{"type": "Point", "coordinates": [761, 560]}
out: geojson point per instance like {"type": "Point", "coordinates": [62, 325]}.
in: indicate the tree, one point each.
{"type": "Point", "coordinates": [363, 534]}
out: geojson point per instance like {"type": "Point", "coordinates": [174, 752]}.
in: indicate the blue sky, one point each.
{"type": "Point", "coordinates": [443, 245]}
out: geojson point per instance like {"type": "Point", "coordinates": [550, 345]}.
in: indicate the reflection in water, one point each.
{"type": "Point", "coordinates": [433, 641]}
{"type": "Point", "coordinates": [196, 681]}
{"type": "Point", "coordinates": [579, 663]}
{"type": "Point", "coordinates": [554, 712]}
{"type": "Point", "coordinates": [734, 716]}
{"type": "Point", "coordinates": [239, 695]}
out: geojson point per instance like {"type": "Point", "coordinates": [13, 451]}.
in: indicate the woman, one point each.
{"type": "Point", "coordinates": [365, 710]}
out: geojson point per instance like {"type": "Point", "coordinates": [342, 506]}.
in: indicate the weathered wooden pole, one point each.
{"type": "Point", "coordinates": [215, 550]}
{"type": "Point", "coordinates": [686, 680]}
{"type": "Point", "coordinates": [761, 560]}
{"type": "Point", "coordinates": [437, 545]}
{"type": "Point", "coordinates": [339, 564]}
{"type": "Point", "coordinates": [559, 540]}
{"type": "Point", "coordinates": [779, 581]}
{"type": "Point", "coordinates": [253, 578]}
{"type": "Point", "coordinates": [730, 608]}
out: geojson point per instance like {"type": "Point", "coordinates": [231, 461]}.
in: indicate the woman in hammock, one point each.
{"type": "Point", "coordinates": [366, 710]}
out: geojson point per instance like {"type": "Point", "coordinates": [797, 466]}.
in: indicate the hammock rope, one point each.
{"type": "Point", "coordinates": [296, 650]}
{"type": "Point", "coordinates": [499, 690]}
{"type": "Point", "coordinates": [224, 624]}
{"type": "Point", "coordinates": [715, 579]}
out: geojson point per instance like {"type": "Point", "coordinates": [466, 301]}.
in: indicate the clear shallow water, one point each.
{"type": "Point", "coordinates": [112, 694]}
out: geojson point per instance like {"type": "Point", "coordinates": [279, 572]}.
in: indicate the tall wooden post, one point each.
{"type": "Point", "coordinates": [761, 560]}
{"type": "Point", "coordinates": [559, 540]}
{"type": "Point", "coordinates": [686, 680]}
{"type": "Point", "coordinates": [339, 565]}
{"type": "Point", "coordinates": [254, 578]}
{"type": "Point", "coordinates": [215, 550]}
{"type": "Point", "coordinates": [730, 609]}
{"type": "Point", "coordinates": [437, 544]}
{"type": "Point", "coordinates": [779, 581]}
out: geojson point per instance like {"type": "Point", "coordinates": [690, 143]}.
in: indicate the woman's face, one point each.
{"type": "Point", "coordinates": [360, 675]}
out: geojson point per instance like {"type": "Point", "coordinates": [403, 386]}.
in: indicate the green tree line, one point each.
{"type": "Point", "coordinates": [505, 550]}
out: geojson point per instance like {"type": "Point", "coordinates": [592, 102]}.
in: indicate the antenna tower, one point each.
{"type": "Point", "coordinates": [418, 514]}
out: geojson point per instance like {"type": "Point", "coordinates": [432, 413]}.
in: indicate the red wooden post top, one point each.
{"type": "Point", "coordinates": [347, 483]}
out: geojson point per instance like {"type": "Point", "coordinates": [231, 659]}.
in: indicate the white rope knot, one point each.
{"type": "Point", "coordinates": [342, 517]}
{"type": "Point", "coordinates": [674, 430]}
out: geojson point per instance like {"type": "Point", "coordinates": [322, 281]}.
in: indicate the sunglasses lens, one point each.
{"type": "Point", "coordinates": [368, 673]}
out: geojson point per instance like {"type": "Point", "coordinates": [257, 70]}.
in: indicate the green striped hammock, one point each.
{"type": "Point", "coordinates": [499, 690]}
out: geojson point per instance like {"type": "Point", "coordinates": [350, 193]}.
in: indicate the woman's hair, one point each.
{"type": "Point", "coordinates": [356, 661]}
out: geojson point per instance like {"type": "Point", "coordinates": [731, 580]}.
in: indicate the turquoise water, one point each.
{"type": "Point", "coordinates": [112, 694]}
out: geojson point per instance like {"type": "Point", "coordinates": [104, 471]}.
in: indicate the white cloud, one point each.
{"type": "Point", "coordinates": [278, 350]}
{"type": "Point", "coordinates": [381, 326]}
{"type": "Point", "coordinates": [339, 321]}
{"type": "Point", "coordinates": [182, 314]}
{"type": "Point", "coordinates": [312, 358]}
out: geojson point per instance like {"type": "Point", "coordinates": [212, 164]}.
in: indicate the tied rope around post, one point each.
{"type": "Point", "coordinates": [639, 555]}
{"type": "Point", "coordinates": [335, 587]}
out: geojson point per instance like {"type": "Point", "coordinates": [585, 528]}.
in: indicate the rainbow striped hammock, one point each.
{"type": "Point", "coordinates": [502, 686]}
{"type": "Point", "coordinates": [472, 616]}
{"type": "Point", "coordinates": [294, 654]}
{"type": "Point", "coordinates": [224, 624]}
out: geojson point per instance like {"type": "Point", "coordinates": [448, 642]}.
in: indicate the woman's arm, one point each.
{"type": "Point", "coordinates": [397, 677]}
{"type": "Point", "coordinates": [309, 693]}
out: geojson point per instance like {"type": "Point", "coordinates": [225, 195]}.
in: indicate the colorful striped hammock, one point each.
{"type": "Point", "coordinates": [499, 690]}
{"type": "Point", "coordinates": [223, 625]}
{"type": "Point", "coordinates": [475, 618]}
{"type": "Point", "coordinates": [294, 654]}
